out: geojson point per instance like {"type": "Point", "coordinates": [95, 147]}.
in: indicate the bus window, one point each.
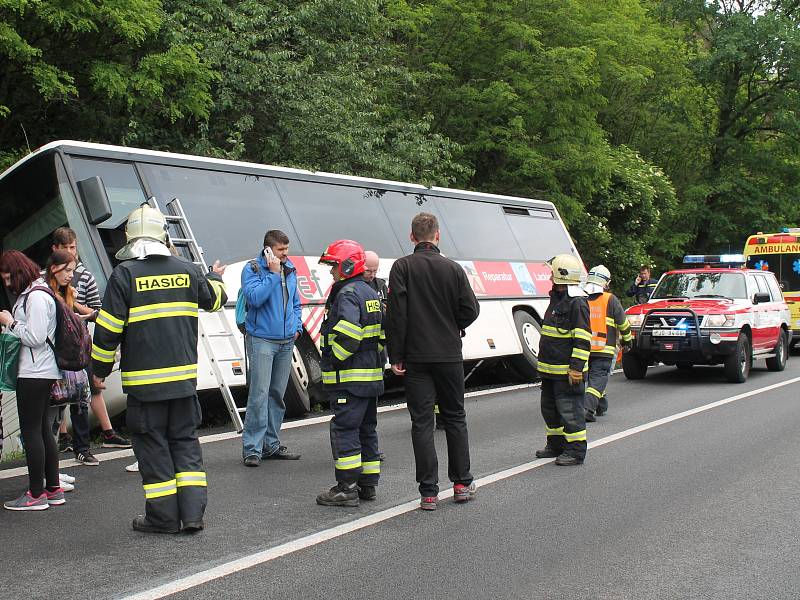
{"type": "Point", "coordinates": [402, 208]}
{"type": "Point", "coordinates": [539, 233]}
{"type": "Point", "coordinates": [323, 213]}
{"type": "Point", "coordinates": [481, 229]}
{"type": "Point", "coordinates": [121, 183]}
{"type": "Point", "coordinates": [229, 212]}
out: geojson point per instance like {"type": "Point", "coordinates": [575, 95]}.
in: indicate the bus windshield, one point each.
{"type": "Point", "coordinates": [785, 266]}
{"type": "Point", "coordinates": [700, 285]}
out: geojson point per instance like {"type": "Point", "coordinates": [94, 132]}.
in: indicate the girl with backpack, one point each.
{"type": "Point", "coordinates": [33, 320]}
{"type": "Point", "coordinates": [58, 274]}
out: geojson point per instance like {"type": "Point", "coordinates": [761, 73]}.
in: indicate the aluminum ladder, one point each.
{"type": "Point", "coordinates": [214, 328]}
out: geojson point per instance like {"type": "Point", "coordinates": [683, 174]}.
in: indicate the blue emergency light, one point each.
{"type": "Point", "coordinates": [728, 260]}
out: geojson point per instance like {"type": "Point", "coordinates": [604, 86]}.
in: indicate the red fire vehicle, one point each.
{"type": "Point", "coordinates": [711, 312]}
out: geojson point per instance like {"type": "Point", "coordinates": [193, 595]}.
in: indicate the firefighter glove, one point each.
{"type": "Point", "coordinates": [575, 377]}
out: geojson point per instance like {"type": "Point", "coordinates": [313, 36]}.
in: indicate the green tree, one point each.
{"type": "Point", "coordinates": [520, 86]}
{"type": "Point", "coordinates": [748, 65]}
{"type": "Point", "coordinates": [82, 69]}
{"type": "Point", "coordinates": [312, 84]}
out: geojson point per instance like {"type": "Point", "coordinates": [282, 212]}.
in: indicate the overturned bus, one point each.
{"type": "Point", "coordinates": [501, 242]}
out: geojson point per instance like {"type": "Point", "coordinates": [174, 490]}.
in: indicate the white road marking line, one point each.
{"type": "Point", "coordinates": [259, 558]}
{"type": "Point", "coordinates": [229, 435]}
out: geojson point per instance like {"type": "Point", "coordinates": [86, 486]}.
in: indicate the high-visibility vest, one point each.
{"type": "Point", "coordinates": [598, 309]}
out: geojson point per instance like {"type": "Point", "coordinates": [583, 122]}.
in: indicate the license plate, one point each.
{"type": "Point", "coordinates": [669, 332]}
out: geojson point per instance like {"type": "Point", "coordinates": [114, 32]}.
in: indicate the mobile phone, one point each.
{"type": "Point", "coordinates": [268, 254]}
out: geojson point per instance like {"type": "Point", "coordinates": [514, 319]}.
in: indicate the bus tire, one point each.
{"type": "Point", "coordinates": [530, 334]}
{"type": "Point", "coordinates": [633, 366]}
{"type": "Point", "coordinates": [304, 388]}
{"type": "Point", "coordinates": [778, 362]}
{"type": "Point", "coordinates": [737, 364]}
{"type": "Point", "coordinates": [684, 366]}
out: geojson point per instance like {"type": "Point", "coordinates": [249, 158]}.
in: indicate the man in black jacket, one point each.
{"type": "Point", "coordinates": [643, 286]}
{"type": "Point", "coordinates": [430, 305]}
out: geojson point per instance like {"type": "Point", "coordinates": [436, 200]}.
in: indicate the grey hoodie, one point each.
{"type": "Point", "coordinates": [33, 326]}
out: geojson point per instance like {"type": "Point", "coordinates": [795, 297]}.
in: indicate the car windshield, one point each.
{"type": "Point", "coordinates": [701, 285]}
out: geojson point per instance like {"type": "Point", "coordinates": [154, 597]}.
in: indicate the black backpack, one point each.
{"type": "Point", "coordinates": [73, 344]}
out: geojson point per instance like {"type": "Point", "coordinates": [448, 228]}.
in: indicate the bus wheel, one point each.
{"type": "Point", "coordinates": [530, 334]}
{"type": "Point", "coordinates": [304, 388]}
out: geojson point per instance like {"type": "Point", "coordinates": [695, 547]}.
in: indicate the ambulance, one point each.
{"type": "Point", "coordinates": [780, 254]}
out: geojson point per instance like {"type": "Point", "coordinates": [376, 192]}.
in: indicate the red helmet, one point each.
{"type": "Point", "coordinates": [347, 255]}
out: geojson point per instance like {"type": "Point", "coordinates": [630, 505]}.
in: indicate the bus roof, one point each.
{"type": "Point", "coordinates": [155, 156]}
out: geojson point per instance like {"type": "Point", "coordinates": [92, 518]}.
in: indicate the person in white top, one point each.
{"type": "Point", "coordinates": [34, 322]}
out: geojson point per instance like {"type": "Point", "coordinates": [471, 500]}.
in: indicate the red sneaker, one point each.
{"type": "Point", "coordinates": [429, 502]}
{"type": "Point", "coordinates": [464, 493]}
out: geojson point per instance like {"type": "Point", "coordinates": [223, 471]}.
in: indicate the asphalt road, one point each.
{"type": "Point", "coordinates": [698, 507]}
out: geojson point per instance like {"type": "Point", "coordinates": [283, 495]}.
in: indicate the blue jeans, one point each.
{"type": "Point", "coordinates": [270, 364]}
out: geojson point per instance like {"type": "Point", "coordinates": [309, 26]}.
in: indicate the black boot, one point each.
{"type": "Point", "coordinates": [565, 460]}
{"type": "Point", "coordinates": [590, 417]}
{"type": "Point", "coordinates": [547, 452]}
{"type": "Point", "coordinates": [342, 494]}
{"type": "Point", "coordinates": [141, 523]}
{"type": "Point", "coordinates": [193, 526]}
{"type": "Point", "coordinates": [367, 492]}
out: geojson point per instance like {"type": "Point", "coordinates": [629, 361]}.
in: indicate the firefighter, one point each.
{"type": "Point", "coordinates": [609, 326]}
{"type": "Point", "coordinates": [352, 340]}
{"type": "Point", "coordinates": [643, 286]}
{"type": "Point", "coordinates": [563, 361]}
{"type": "Point", "coordinates": [151, 307]}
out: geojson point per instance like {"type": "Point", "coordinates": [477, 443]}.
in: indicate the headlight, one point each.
{"type": "Point", "coordinates": [635, 320]}
{"type": "Point", "coordinates": [719, 321]}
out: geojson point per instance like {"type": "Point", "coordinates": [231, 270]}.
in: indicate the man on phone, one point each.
{"type": "Point", "coordinates": [643, 286]}
{"type": "Point", "coordinates": [273, 323]}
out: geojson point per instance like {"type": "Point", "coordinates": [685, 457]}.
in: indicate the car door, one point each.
{"type": "Point", "coordinates": [755, 313]}
{"type": "Point", "coordinates": [767, 330]}
{"type": "Point", "coordinates": [776, 309]}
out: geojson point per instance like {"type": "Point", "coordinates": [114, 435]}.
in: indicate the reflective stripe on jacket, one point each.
{"type": "Point", "coordinates": [151, 307]}
{"type": "Point", "coordinates": [352, 339]}
{"type": "Point", "coordinates": [609, 324]}
{"type": "Point", "coordinates": [566, 338]}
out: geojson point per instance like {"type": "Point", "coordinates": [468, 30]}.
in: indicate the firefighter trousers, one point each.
{"type": "Point", "coordinates": [599, 371]}
{"type": "Point", "coordinates": [564, 417]}
{"type": "Point", "coordinates": [164, 436]}
{"type": "Point", "coordinates": [354, 438]}
{"type": "Point", "coordinates": [429, 384]}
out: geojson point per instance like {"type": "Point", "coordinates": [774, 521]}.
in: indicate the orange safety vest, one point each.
{"type": "Point", "coordinates": [598, 308]}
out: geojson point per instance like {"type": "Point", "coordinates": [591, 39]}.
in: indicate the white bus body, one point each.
{"type": "Point", "coordinates": [501, 241]}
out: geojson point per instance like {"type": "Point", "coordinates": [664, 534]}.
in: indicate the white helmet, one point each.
{"type": "Point", "coordinates": [567, 269]}
{"type": "Point", "coordinates": [146, 222]}
{"type": "Point", "coordinates": [146, 233]}
{"type": "Point", "coordinates": [599, 275]}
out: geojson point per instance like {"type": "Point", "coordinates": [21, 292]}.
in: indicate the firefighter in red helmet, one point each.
{"type": "Point", "coordinates": [352, 341]}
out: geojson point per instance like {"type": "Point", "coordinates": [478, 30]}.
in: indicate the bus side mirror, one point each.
{"type": "Point", "coordinates": [760, 297]}
{"type": "Point", "coordinates": [95, 199]}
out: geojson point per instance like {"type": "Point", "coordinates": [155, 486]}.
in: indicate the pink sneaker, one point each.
{"type": "Point", "coordinates": [27, 502]}
{"type": "Point", "coordinates": [429, 502]}
{"type": "Point", "coordinates": [464, 493]}
{"type": "Point", "coordinates": [55, 497]}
